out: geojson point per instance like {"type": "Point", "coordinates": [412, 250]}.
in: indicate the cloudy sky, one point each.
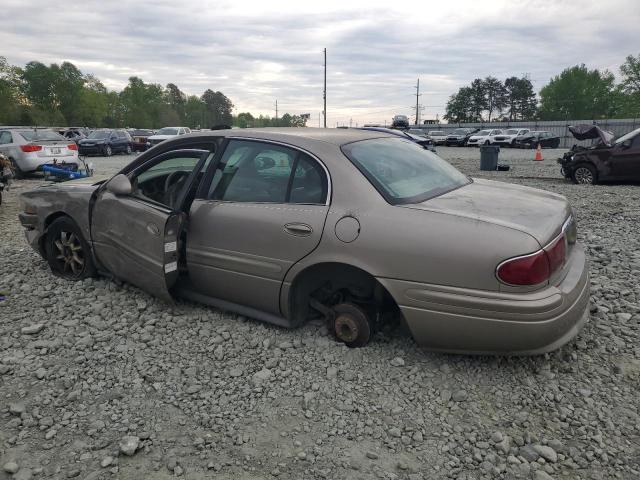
{"type": "Point", "coordinates": [257, 52]}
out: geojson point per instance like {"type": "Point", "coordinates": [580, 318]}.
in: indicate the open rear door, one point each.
{"type": "Point", "coordinates": [135, 236]}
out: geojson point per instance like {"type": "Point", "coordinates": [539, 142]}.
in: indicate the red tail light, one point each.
{"type": "Point", "coordinates": [30, 148]}
{"type": "Point", "coordinates": [526, 270]}
{"type": "Point", "coordinates": [556, 251]}
{"type": "Point", "coordinates": [534, 268]}
{"type": "Point", "coordinates": [72, 146]}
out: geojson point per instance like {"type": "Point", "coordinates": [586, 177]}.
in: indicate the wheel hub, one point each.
{"type": "Point", "coordinates": [583, 175]}
{"type": "Point", "coordinates": [70, 255]}
{"type": "Point", "coordinates": [346, 328]}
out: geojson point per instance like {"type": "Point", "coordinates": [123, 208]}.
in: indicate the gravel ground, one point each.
{"type": "Point", "coordinates": [99, 380]}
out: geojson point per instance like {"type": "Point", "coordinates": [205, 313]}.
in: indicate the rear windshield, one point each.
{"type": "Point", "coordinates": [99, 134]}
{"type": "Point", "coordinates": [167, 131]}
{"type": "Point", "coordinates": [38, 135]}
{"type": "Point", "coordinates": [402, 171]}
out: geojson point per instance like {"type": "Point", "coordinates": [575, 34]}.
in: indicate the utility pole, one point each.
{"type": "Point", "coordinates": [324, 94]}
{"type": "Point", "coordinates": [417, 101]}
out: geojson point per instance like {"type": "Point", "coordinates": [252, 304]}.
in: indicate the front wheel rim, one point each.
{"type": "Point", "coordinates": [69, 255]}
{"type": "Point", "coordinates": [583, 175]}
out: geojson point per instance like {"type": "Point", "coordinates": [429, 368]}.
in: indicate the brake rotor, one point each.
{"type": "Point", "coordinates": [346, 328]}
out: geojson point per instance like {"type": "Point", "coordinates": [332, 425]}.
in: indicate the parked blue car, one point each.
{"type": "Point", "coordinates": [106, 142]}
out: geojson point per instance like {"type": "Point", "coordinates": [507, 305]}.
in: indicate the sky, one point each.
{"type": "Point", "coordinates": [257, 52]}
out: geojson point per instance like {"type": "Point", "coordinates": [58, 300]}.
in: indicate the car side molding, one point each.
{"type": "Point", "coordinates": [190, 294]}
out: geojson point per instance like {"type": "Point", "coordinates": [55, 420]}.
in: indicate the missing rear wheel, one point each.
{"type": "Point", "coordinates": [351, 325]}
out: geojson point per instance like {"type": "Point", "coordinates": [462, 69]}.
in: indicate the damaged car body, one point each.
{"type": "Point", "coordinates": [607, 159]}
{"type": "Point", "coordinates": [286, 224]}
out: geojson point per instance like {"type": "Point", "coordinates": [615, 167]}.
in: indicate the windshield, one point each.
{"type": "Point", "coordinates": [99, 134]}
{"type": "Point", "coordinates": [482, 133]}
{"type": "Point", "coordinates": [627, 136]}
{"type": "Point", "coordinates": [167, 131]}
{"type": "Point", "coordinates": [403, 172]}
{"type": "Point", "coordinates": [437, 133]}
{"type": "Point", "coordinates": [459, 131]}
{"type": "Point", "coordinates": [37, 135]}
{"type": "Point", "coordinates": [512, 132]}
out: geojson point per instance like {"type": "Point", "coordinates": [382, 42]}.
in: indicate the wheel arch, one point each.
{"type": "Point", "coordinates": [341, 276]}
{"type": "Point", "coordinates": [588, 163]}
{"type": "Point", "coordinates": [49, 219]}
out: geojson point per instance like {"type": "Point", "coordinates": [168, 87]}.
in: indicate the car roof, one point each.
{"type": "Point", "coordinates": [335, 136]}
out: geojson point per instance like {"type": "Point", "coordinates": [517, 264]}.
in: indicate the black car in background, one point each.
{"type": "Point", "coordinates": [106, 142]}
{"type": "Point", "coordinates": [460, 136]}
{"type": "Point", "coordinates": [139, 138]}
{"type": "Point", "coordinates": [532, 139]}
{"type": "Point", "coordinates": [425, 143]}
{"type": "Point", "coordinates": [607, 159]}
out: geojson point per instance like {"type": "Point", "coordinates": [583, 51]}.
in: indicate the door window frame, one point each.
{"type": "Point", "coordinates": [150, 163]}
{"type": "Point", "coordinates": [202, 193]}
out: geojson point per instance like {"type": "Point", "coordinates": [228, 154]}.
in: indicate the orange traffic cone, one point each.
{"type": "Point", "coordinates": [538, 154]}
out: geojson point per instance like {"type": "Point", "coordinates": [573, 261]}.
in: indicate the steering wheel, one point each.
{"type": "Point", "coordinates": [173, 177]}
{"type": "Point", "coordinates": [172, 180]}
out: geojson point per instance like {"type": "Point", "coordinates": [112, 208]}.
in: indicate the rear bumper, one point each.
{"type": "Point", "coordinates": [88, 150]}
{"type": "Point", "coordinates": [467, 321]}
{"type": "Point", "coordinates": [33, 163]}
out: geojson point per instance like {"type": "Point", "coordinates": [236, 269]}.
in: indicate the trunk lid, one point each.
{"type": "Point", "coordinates": [536, 212]}
{"type": "Point", "coordinates": [53, 148]}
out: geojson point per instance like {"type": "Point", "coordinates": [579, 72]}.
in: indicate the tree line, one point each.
{"type": "Point", "coordinates": [576, 93]}
{"type": "Point", "coordinates": [62, 95]}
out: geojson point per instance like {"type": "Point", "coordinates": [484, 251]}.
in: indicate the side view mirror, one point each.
{"type": "Point", "coordinates": [120, 185]}
{"type": "Point", "coordinates": [626, 144]}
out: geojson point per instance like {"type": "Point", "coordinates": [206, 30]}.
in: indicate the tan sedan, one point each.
{"type": "Point", "coordinates": [283, 225]}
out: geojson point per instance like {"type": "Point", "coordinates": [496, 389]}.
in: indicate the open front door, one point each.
{"type": "Point", "coordinates": [136, 235]}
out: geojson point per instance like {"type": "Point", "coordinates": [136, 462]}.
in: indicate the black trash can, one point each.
{"type": "Point", "coordinates": [489, 157]}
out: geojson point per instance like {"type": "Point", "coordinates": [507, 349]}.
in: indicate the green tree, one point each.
{"type": "Point", "coordinates": [460, 106]}
{"type": "Point", "coordinates": [521, 103]}
{"type": "Point", "coordinates": [478, 100]}
{"type": "Point", "coordinates": [496, 96]}
{"type": "Point", "coordinates": [218, 109]}
{"type": "Point", "coordinates": [244, 120]}
{"type": "Point", "coordinates": [66, 89]}
{"type": "Point", "coordinates": [194, 112]}
{"type": "Point", "coordinates": [177, 101]}
{"type": "Point", "coordinates": [628, 92]}
{"type": "Point", "coordinates": [578, 93]}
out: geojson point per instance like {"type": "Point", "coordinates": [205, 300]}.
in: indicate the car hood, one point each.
{"type": "Point", "coordinates": [85, 184]}
{"type": "Point", "coordinates": [536, 212]}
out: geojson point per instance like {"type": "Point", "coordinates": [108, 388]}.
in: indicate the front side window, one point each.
{"type": "Point", "coordinates": [256, 172]}
{"type": "Point", "coordinates": [403, 172]}
{"type": "Point", "coordinates": [163, 181]}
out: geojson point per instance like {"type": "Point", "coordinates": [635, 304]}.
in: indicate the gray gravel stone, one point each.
{"type": "Point", "coordinates": [129, 444]}
{"type": "Point", "coordinates": [112, 361]}
{"type": "Point", "coordinates": [10, 467]}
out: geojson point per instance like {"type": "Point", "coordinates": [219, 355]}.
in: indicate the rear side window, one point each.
{"type": "Point", "coordinates": [402, 171]}
{"type": "Point", "coordinates": [256, 172]}
{"type": "Point", "coordinates": [5, 137]}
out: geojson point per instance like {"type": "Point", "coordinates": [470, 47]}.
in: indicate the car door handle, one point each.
{"type": "Point", "coordinates": [299, 229]}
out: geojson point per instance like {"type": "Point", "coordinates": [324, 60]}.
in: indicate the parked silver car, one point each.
{"type": "Point", "coordinates": [29, 149]}
{"type": "Point", "coordinates": [286, 224]}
